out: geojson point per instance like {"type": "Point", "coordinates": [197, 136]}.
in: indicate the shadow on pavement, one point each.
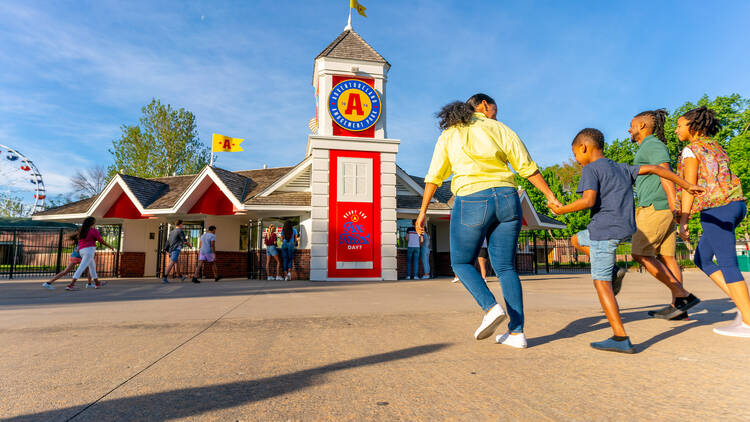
{"type": "Point", "coordinates": [715, 307]}
{"type": "Point", "coordinates": [32, 294]}
{"type": "Point", "coordinates": [194, 401]}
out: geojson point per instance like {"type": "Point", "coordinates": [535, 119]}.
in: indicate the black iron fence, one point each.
{"type": "Point", "coordinates": [43, 252]}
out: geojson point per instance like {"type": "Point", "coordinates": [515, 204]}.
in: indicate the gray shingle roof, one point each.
{"type": "Point", "coordinates": [349, 45]}
{"type": "Point", "coordinates": [145, 190]}
{"type": "Point", "coordinates": [236, 183]}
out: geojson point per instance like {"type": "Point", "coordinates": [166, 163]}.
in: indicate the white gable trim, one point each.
{"type": "Point", "coordinates": [401, 174]}
{"type": "Point", "coordinates": [209, 173]}
{"type": "Point", "coordinates": [116, 181]}
{"type": "Point", "coordinates": [291, 175]}
{"type": "Point", "coordinates": [537, 221]}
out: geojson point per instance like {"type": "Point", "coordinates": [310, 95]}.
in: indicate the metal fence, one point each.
{"type": "Point", "coordinates": [42, 252]}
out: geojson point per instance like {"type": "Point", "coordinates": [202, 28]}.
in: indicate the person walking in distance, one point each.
{"type": "Point", "coordinates": [289, 238]}
{"type": "Point", "coordinates": [654, 241]}
{"type": "Point", "coordinates": [75, 259]}
{"type": "Point", "coordinates": [207, 254]}
{"type": "Point", "coordinates": [272, 251]}
{"type": "Point", "coordinates": [175, 241]}
{"type": "Point", "coordinates": [424, 253]}
{"type": "Point", "coordinates": [479, 151]}
{"type": "Point", "coordinates": [413, 243]}
{"type": "Point", "coordinates": [88, 236]}
{"type": "Point", "coordinates": [721, 209]}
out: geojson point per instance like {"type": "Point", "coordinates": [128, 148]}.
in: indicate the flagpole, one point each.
{"type": "Point", "coordinates": [349, 22]}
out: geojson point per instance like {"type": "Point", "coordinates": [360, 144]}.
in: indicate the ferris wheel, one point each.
{"type": "Point", "coordinates": [20, 177]}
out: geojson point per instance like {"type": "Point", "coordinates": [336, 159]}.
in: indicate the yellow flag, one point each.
{"type": "Point", "coordinates": [354, 4]}
{"type": "Point", "coordinates": [223, 143]}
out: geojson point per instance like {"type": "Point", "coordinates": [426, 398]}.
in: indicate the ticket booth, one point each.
{"type": "Point", "coordinates": [354, 165]}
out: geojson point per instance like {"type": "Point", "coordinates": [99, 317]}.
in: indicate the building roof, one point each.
{"type": "Point", "coordinates": [349, 45]}
{"type": "Point", "coordinates": [145, 190]}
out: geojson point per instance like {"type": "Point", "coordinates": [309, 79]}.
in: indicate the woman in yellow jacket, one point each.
{"type": "Point", "coordinates": [478, 150]}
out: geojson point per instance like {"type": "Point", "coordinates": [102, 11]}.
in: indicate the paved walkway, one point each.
{"type": "Point", "coordinates": [267, 351]}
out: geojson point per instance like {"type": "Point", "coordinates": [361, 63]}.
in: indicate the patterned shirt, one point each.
{"type": "Point", "coordinates": [722, 186]}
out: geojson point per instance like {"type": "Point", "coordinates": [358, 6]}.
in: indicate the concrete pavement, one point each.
{"type": "Point", "coordinates": [271, 350]}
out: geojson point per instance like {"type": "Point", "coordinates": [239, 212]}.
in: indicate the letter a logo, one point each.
{"type": "Point", "coordinates": [227, 145]}
{"type": "Point", "coordinates": [354, 104]}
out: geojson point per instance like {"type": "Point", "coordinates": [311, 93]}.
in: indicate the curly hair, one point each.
{"type": "Point", "coordinates": [460, 113]}
{"type": "Point", "coordinates": [455, 113]}
{"type": "Point", "coordinates": [703, 121]}
{"type": "Point", "coordinates": [658, 118]}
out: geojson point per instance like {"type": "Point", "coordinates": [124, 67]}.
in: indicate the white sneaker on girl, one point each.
{"type": "Point", "coordinates": [518, 341]}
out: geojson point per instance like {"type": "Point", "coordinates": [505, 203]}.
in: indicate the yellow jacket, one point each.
{"type": "Point", "coordinates": [478, 155]}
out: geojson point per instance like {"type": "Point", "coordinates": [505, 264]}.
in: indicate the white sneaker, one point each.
{"type": "Point", "coordinates": [518, 341]}
{"type": "Point", "coordinates": [455, 280]}
{"type": "Point", "coordinates": [278, 278]}
{"type": "Point", "coordinates": [89, 286]}
{"type": "Point", "coordinates": [270, 277]}
{"type": "Point", "coordinates": [48, 286]}
{"type": "Point", "coordinates": [288, 277]}
{"type": "Point", "coordinates": [491, 320]}
{"type": "Point", "coordinates": [732, 330]}
{"type": "Point", "coordinates": [426, 277]}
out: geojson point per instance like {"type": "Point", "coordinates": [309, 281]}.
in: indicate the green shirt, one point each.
{"type": "Point", "coordinates": [648, 187]}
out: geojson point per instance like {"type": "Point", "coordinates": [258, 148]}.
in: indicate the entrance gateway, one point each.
{"type": "Point", "coordinates": [353, 166]}
{"type": "Point", "coordinates": [348, 199]}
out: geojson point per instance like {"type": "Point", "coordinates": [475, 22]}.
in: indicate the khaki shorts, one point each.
{"type": "Point", "coordinates": [656, 234]}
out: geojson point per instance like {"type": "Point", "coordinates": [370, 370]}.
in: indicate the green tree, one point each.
{"type": "Point", "coordinates": [576, 221]}
{"type": "Point", "coordinates": [13, 206]}
{"type": "Point", "coordinates": [165, 142]}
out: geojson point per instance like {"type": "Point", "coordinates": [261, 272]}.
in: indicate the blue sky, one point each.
{"type": "Point", "coordinates": [74, 72]}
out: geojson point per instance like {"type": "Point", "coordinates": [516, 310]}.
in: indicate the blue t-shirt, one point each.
{"type": "Point", "coordinates": [613, 214]}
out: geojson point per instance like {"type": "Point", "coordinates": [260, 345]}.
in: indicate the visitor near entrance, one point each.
{"type": "Point", "coordinates": [654, 242]}
{"type": "Point", "coordinates": [721, 209]}
{"type": "Point", "coordinates": [289, 239]}
{"type": "Point", "coordinates": [207, 254]}
{"type": "Point", "coordinates": [606, 187]}
{"type": "Point", "coordinates": [424, 253]}
{"type": "Point", "coordinates": [75, 259]}
{"type": "Point", "coordinates": [482, 260]}
{"type": "Point", "coordinates": [88, 236]}
{"type": "Point", "coordinates": [272, 251]}
{"type": "Point", "coordinates": [175, 241]}
{"type": "Point", "coordinates": [413, 243]}
{"type": "Point", "coordinates": [478, 150]}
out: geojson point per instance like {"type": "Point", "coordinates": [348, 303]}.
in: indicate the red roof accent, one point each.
{"type": "Point", "coordinates": [123, 208]}
{"type": "Point", "coordinates": [213, 202]}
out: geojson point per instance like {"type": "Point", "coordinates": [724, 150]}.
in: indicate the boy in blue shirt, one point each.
{"type": "Point", "coordinates": [606, 187]}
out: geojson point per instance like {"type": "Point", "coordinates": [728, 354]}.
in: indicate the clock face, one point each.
{"type": "Point", "coordinates": [354, 105]}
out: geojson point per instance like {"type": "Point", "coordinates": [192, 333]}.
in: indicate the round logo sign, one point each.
{"type": "Point", "coordinates": [354, 105]}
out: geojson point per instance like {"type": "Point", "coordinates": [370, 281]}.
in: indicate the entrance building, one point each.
{"type": "Point", "coordinates": [348, 198]}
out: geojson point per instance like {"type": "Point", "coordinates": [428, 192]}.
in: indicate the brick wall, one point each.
{"type": "Point", "coordinates": [132, 264]}
{"type": "Point", "coordinates": [229, 264]}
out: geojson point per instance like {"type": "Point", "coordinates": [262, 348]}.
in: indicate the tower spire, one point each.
{"type": "Point", "coordinates": [349, 22]}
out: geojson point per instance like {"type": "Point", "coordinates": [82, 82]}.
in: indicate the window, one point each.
{"type": "Point", "coordinates": [354, 182]}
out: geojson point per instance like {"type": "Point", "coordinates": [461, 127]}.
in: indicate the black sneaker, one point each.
{"type": "Point", "coordinates": [685, 303]}
{"type": "Point", "coordinates": [195, 280]}
{"type": "Point", "coordinates": [217, 279]}
{"type": "Point", "coordinates": [618, 273]}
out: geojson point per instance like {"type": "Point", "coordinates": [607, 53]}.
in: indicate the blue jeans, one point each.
{"type": "Point", "coordinates": [424, 254]}
{"type": "Point", "coordinates": [603, 255]}
{"type": "Point", "coordinates": [718, 240]}
{"type": "Point", "coordinates": [412, 262]}
{"type": "Point", "coordinates": [494, 213]}
{"type": "Point", "coordinates": [287, 254]}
